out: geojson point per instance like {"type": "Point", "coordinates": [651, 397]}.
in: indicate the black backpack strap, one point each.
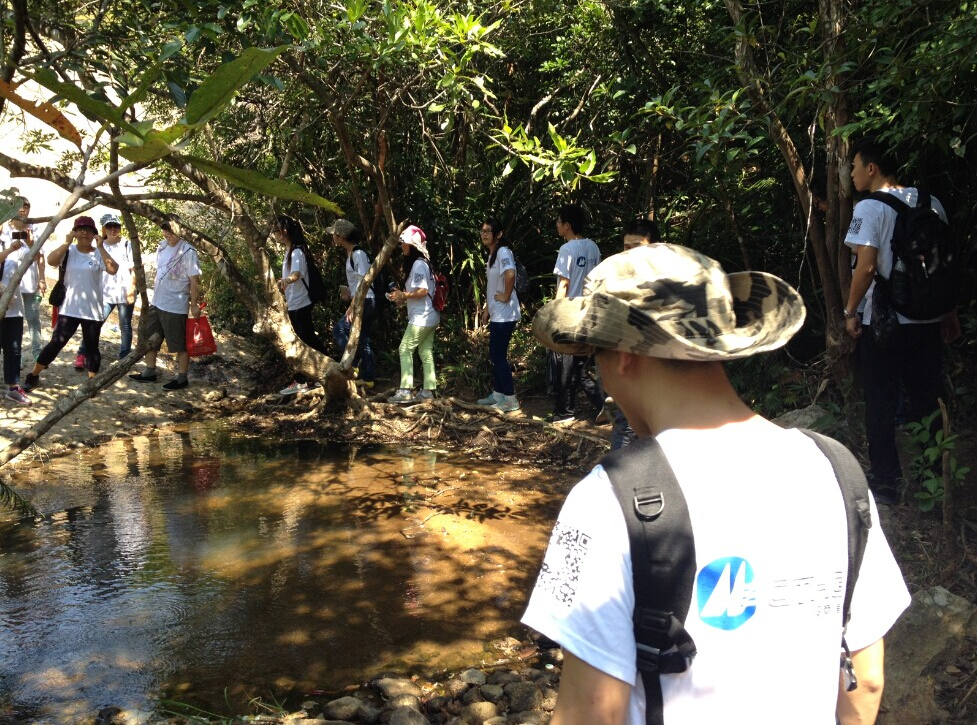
{"type": "Point", "coordinates": [663, 563]}
{"type": "Point", "coordinates": [858, 513]}
{"type": "Point", "coordinates": [890, 200]}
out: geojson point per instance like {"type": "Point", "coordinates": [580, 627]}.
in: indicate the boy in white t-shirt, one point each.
{"type": "Point", "coordinates": [768, 520]}
{"type": "Point", "coordinates": [576, 258]}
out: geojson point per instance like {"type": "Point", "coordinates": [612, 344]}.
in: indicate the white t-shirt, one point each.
{"type": "Point", "coordinates": [421, 312]}
{"type": "Point", "coordinates": [116, 286]}
{"type": "Point", "coordinates": [8, 267]}
{"type": "Point", "coordinates": [297, 293]}
{"type": "Point", "coordinates": [574, 261]}
{"type": "Point", "coordinates": [175, 265]}
{"type": "Point", "coordinates": [771, 549]}
{"type": "Point", "coordinates": [357, 265]}
{"type": "Point", "coordinates": [28, 283]}
{"type": "Point", "coordinates": [495, 274]}
{"type": "Point", "coordinates": [872, 223]}
{"type": "Point", "coordinates": [83, 285]}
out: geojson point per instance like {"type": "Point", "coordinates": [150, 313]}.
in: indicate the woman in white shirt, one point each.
{"type": "Point", "coordinates": [422, 318]}
{"type": "Point", "coordinates": [119, 289]}
{"type": "Point", "coordinates": [83, 297]}
{"type": "Point", "coordinates": [501, 313]}
{"type": "Point", "coordinates": [12, 323]}
{"type": "Point", "coordinates": [294, 283]}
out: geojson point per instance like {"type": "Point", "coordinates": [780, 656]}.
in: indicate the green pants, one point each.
{"type": "Point", "coordinates": [422, 340]}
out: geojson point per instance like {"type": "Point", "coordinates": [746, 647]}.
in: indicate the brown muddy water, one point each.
{"type": "Point", "coordinates": [208, 567]}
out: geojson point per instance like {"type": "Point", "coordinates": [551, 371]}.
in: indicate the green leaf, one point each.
{"type": "Point", "coordinates": [216, 92]}
{"type": "Point", "coordinates": [171, 48]}
{"type": "Point", "coordinates": [178, 95]}
{"type": "Point", "coordinates": [10, 203]}
{"type": "Point", "coordinates": [253, 181]}
{"type": "Point", "coordinates": [86, 104]}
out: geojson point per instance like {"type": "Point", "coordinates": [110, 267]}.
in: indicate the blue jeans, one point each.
{"type": "Point", "coordinates": [32, 317]}
{"type": "Point", "coordinates": [125, 326]}
{"type": "Point", "coordinates": [499, 335]}
{"type": "Point", "coordinates": [364, 359]}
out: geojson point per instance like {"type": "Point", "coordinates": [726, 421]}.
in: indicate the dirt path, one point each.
{"type": "Point", "coordinates": [126, 408]}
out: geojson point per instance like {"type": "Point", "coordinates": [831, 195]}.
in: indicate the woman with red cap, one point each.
{"type": "Point", "coordinates": [82, 304]}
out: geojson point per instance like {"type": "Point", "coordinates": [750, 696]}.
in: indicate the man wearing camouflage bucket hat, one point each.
{"type": "Point", "coordinates": [769, 526]}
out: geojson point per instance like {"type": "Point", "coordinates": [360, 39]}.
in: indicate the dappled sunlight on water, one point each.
{"type": "Point", "coordinates": [188, 563]}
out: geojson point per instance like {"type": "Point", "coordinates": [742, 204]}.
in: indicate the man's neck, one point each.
{"type": "Point", "coordinates": [697, 396]}
{"type": "Point", "coordinates": [883, 183]}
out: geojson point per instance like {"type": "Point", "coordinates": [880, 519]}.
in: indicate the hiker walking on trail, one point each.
{"type": "Point", "coordinates": [576, 258]}
{"type": "Point", "coordinates": [12, 324]}
{"type": "Point", "coordinates": [294, 284]}
{"type": "Point", "coordinates": [119, 289]}
{"type": "Point", "coordinates": [914, 356]}
{"type": "Point", "coordinates": [718, 536]}
{"type": "Point", "coordinates": [82, 266]}
{"type": "Point", "coordinates": [32, 284]}
{"type": "Point", "coordinates": [501, 312]}
{"type": "Point", "coordinates": [176, 296]}
{"type": "Point", "coordinates": [347, 236]}
{"type": "Point", "coordinates": [422, 318]}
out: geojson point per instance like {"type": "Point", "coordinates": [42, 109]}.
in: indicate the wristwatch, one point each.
{"type": "Point", "coordinates": [846, 314]}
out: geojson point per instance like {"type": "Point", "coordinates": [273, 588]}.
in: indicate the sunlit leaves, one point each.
{"type": "Point", "coordinates": [253, 181]}
{"type": "Point", "coordinates": [219, 89]}
{"type": "Point", "coordinates": [44, 112]}
{"type": "Point", "coordinates": [566, 163]}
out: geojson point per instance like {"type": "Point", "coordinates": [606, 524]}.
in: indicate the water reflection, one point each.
{"type": "Point", "coordinates": [185, 563]}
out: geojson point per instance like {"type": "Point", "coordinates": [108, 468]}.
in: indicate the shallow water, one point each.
{"type": "Point", "coordinates": [209, 567]}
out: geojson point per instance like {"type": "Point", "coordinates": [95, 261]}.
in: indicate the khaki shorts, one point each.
{"type": "Point", "coordinates": [172, 327]}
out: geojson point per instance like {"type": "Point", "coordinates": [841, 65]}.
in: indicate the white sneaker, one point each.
{"type": "Point", "coordinates": [295, 387]}
{"type": "Point", "coordinates": [403, 395]}
{"type": "Point", "coordinates": [493, 398]}
{"type": "Point", "coordinates": [508, 404]}
{"type": "Point", "coordinates": [17, 395]}
{"type": "Point", "coordinates": [423, 395]}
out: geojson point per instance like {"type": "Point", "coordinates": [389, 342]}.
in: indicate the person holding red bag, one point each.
{"type": "Point", "coordinates": [175, 297]}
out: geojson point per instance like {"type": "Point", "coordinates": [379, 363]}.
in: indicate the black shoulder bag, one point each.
{"type": "Point", "coordinates": [58, 292]}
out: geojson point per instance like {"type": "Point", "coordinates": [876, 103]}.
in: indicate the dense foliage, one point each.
{"type": "Point", "coordinates": [715, 118]}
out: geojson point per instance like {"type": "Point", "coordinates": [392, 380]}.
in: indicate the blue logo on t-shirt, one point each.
{"type": "Point", "coordinates": [726, 594]}
{"type": "Point", "coordinates": [582, 261]}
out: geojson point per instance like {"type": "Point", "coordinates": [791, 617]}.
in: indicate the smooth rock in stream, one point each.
{"type": "Point", "coordinates": [407, 716]}
{"type": "Point", "coordinates": [391, 687]}
{"type": "Point", "coordinates": [345, 708]}
{"type": "Point", "coordinates": [477, 713]}
{"type": "Point", "coordinates": [472, 677]}
{"type": "Point", "coordinates": [523, 696]}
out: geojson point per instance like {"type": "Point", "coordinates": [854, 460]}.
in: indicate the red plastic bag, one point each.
{"type": "Point", "coordinates": [200, 338]}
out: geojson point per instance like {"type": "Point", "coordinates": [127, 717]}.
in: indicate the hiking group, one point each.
{"type": "Point", "coordinates": [95, 276]}
{"type": "Point", "coordinates": [714, 563]}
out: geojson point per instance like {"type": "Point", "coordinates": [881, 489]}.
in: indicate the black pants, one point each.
{"type": "Point", "coordinates": [63, 332]}
{"type": "Point", "coordinates": [301, 320]}
{"type": "Point", "coordinates": [916, 359]}
{"type": "Point", "coordinates": [11, 334]}
{"type": "Point", "coordinates": [571, 374]}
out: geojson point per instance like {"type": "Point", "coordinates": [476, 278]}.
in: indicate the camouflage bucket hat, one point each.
{"type": "Point", "coordinates": [668, 301]}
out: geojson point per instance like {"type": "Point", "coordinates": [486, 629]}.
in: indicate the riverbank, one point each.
{"type": "Point", "coordinates": [519, 685]}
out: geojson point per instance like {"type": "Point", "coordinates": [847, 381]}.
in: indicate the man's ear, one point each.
{"type": "Point", "coordinates": [627, 363]}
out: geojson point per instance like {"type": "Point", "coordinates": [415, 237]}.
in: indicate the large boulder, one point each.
{"type": "Point", "coordinates": [926, 638]}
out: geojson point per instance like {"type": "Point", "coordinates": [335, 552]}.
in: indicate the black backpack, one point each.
{"type": "Point", "coordinates": [923, 282]}
{"type": "Point", "coordinates": [522, 278]}
{"type": "Point", "coordinates": [382, 282]}
{"type": "Point", "coordinates": [315, 286]}
{"type": "Point", "coordinates": [663, 564]}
